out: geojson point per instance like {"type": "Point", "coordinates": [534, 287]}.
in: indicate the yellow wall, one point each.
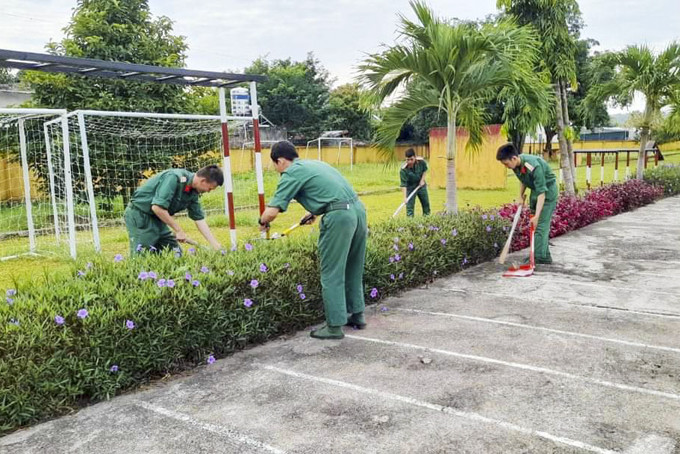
{"type": "Point", "coordinates": [474, 169]}
{"type": "Point", "coordinates": [12, 182]}
{"type": "Point", "coordinates": [671, 146]}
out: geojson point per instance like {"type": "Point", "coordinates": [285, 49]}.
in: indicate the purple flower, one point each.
{"type": "Point", "coordinates": [495, 245]}
{"type": "Point", "coordinates": [397, 257]}
{"type": "Point", "coordinates": [411, 247]}
{"type": "Point", "coordinates": [118, 258]}
{"type": "Point", "coordinates": [443, 241]}
{"type": "Point", "coordinates": [454, 232]}
{"type": "Point", "coordinates": [139, 248]}
{"type": "Point", "coordinates": [303, 296]}
{"type": "Point", "coordinates": [152, 249]}
{"type": "Point", "coordinates": [249, 247]}
{"type": "Point", "coordinates": [81, 273]}
{"type": "Point", "coordinates": [247, 302]}
{"type": "Point", "coordinates": [114, 368]}
{"type": "Point", "coordinates": [195, 283]}
{"type": "Point", "coordinates": [505, 228]}
{"type": "Point", "coordinates": [263, 268]}
{"type": "Point", "coordinates": [286, 265]}
{"type": "Point", "coordinates": [152, 275]}
{"type": "Point", "coordinates": [223, 252]}
{"type": "Point", "coordinates": [492, 217]}
{"type": "Point", "coordinates": [211, 359]}
{"type": "Point", "coordinates": [395, 247]}
{"type": "Point", "coordinates": [254, 283]}
{"type": "Point", "coordinates": [187, 276]}
{"type": "Point", "coordinates": [143, 276]}
{"type": "Point", "coordinates": [485, 217]}
{"type": "Point", "coordinates": [170, 283]}
{"type": "Point", "coordinates": [205, 269]}
{"type": "Point", "coordinates": [401, 275]}
{"type": "Point", "coordinates": [391, 259]}
{"type": "Point", "coordinates": [192, 250]}
{"type": "Point", "coordinates": [11, 292]}
{"type": "Point", "coordinates": [299, 288]}
{"type": "Point", "coordinates": [59, 320]}
{"type": "Point", "coordinates": [82, 313]}
{"type": "Point", "coordinates": [178, 255]}
{"type": "Point", "coordinates": [374, 292]}
{"type": "Point", "coordinates": [230, 273]}
{"type": "Point", "coordinates": [384, 309]}
{"type": "Point", "coordinates": [10, 301]}
{"type": "Point", "coordinates": [465, 261]}
{"type": "Point", "coordinates": [129, 324]}
{"type": "Point", "coordinates": [234, 248]}
{"type": "Point", "coordinates": [161, 283]}
{"type": "Point", "coordinates": [488, 228]}
{"type": "Point", "coordinates": [89, 265]}
{"type": "Point", "coordinates": [392, 277]}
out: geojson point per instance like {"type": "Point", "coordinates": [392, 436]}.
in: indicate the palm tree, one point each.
{"type": "Point", "coordinates": [553, 19]}
{"type": "Point", "coordinates": [455, 68]}
{"type": "Point", "coordinates": [638, 71]}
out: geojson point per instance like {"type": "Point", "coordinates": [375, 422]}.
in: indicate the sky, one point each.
{"type": "Point", "coordinates": [227, 35]}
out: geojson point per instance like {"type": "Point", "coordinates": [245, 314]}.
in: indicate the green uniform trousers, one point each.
{"type": "Point", "coordinates": [542, 234]}
{"type": "Point", "coordinates": [424, 198]}
{"type": "Point", "coordinates": [146, 231]}
{"type": "Point", "coordinates": [342, 247]}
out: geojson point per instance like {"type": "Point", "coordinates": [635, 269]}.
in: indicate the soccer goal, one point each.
{"type": "Point", "coordinates": [329, 156]}
{"type": "Point", "coordinates": [113, 153]}
{"type": "Point", "coordinates": [31, 208]}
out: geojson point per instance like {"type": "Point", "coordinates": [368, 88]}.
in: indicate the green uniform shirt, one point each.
{"type": "Point", "coordinates": [170, 189]}
{"type": "Point", "coordinates": [314, 184]}
{"type": "Point", "coordinates": [410, 177]}
{"type": "Point", "coordinates": [535, 174]}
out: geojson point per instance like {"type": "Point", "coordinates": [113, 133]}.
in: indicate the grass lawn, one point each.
{"type": "Point", "coordinates": [365, 178]}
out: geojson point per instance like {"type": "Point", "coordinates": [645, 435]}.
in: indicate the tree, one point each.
{"type": "Point", "coordinates": [454, 68]}
{"type": "Point", "coordinates": [121, 30]}
{"type": "Point", "coordinates": [557, 21]}
{"type": "Point", "coordinates": [294, 95]}
{"type": "Point", "coordinates": [596, 115]}
{"type": "Point", "coordinates": [6, 77]}
{"type": "Point", "coordinates": [637, 70]}
{"type": "Point", "coordinates": [345, 112]}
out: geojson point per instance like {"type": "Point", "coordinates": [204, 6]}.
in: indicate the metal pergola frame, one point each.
{"type": "Point", "coordinates": [88, 67]}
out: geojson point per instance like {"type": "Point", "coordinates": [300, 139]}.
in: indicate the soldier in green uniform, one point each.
{"type": "Point", "coordinates": [412, 177]}
{"type": "Point", "coordinates": [322, 190]}
{"type": "Point", "coordinates": [149, 215]}
{"type": "Point", "coordinates": [534, 173]}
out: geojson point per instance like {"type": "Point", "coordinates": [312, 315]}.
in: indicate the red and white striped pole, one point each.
{"type": "Point", "coordinates": [226, 169]}
{"type": "Point", "coordinates": [588, 169]}
{"type": "Point", "coordinates": [602, 171]}
{"type": "Point", "coordinates": [616, 167]}
{"type": "Point", "coordinates": [258, 145]}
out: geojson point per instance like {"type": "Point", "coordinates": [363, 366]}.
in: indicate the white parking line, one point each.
{"type": "Point", "coordinates": [562, 301]}
{"type": "Point", "coordinates": [440, 408]}
{"type": "Point", "coordinates": [528, 367]}
{"type": "Point", "coordinates": [229, 433]}
{"type": "Point", "coordinates": [540, 328]}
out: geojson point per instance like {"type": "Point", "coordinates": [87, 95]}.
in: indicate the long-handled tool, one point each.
{"type": "Point", "coordinates": [406, 201]}
{"type": "Point", "coordinates": [304, 221]}
{"type": "Point", "coordinates": [527, 269]}
{"type": "Point", "coordinates": [508, 242]}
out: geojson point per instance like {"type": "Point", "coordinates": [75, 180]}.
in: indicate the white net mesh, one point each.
{"type": "Point", "coordinates": [125, 150]}
{"type": "Point", "coordinates": [27, 210]}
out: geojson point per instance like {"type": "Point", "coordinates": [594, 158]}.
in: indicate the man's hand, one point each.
{"type": "Point", "coordinates": [264, 226]}
{"type": "Point", "coordinates": [181, 236]}
{"type": "Point", "coordinates": [308, 219]}
{"type": "Point", "coordinates": [534, 221]}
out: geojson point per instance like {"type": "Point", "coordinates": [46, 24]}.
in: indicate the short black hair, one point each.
{"type": "Point", "coordinates": [212, 173]}
{"type": "Point", "coordinates": [283, 149]}
{"type": "Point", "coordinates": [505, 152]}
{"type": "Point", "coordinates": [410, 153]}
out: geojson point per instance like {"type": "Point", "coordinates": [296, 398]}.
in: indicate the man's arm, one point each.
{"type": "Point", "coordinates": [522, 190]}
{"type": "Point", "coordinates": [422, 179]}
{"type": "Point", "coordinates": [165, 216]}
{"type": "Point", "coordinates": [207, 234]}
{"type": "Point", "coordinates": [540, 200]}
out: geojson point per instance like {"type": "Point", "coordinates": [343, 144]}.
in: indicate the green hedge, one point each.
{"type": "Point", "coordinates": [136, 330]}
{"type": "Point", "coordinates": [667, 176]}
